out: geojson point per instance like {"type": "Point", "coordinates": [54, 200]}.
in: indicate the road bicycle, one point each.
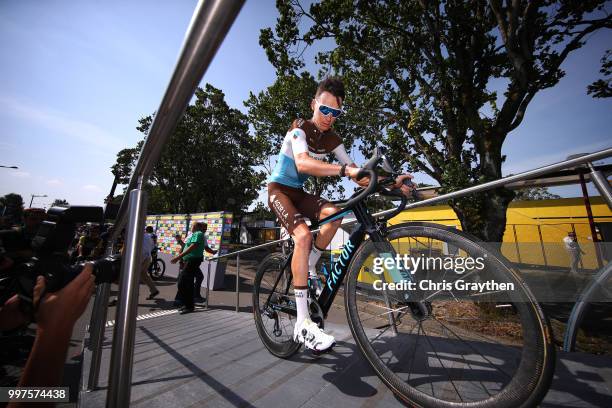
{"type": "Point", "coordinates": [432, 343]}
{"type": "Point", "coordinates": [158, 266]}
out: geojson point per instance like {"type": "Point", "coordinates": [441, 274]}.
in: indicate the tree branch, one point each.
{"type": "Point", "coordinates": [501, 21]}
{"type": "Point", "coordinates": [426, 169]}
{"type": "Point", "coordinates": [520, 113]}
{"type": "Point", "coordinates": [575, 43]}
{"type": "Point", "coordinates": [433, 155]}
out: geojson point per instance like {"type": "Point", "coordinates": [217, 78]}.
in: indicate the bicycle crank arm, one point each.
{"type": "Point", "coordinates": [285, 309]}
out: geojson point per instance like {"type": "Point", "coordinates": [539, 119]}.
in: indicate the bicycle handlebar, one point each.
{"type": "Point", "coordinates": [364, 172]}
{"type": "Point", "coordinates": [370, 170]}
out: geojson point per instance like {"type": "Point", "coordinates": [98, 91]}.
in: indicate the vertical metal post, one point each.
{"type": "Point", "coordinates": [93, 319]}
{"type": "Point", "coordinates": [518, 252]}
{"type": "Point", "coordinates": [601, 183]}
{"type": "Point", "coordinates": [122, 356]}
{"type": "Point", "coordinates": [207, 285]}
{"type": "Point", "coordinates": [542, 245]}
{"type": "Point", "coordinates": [587, 205]}
{"type": "Point", "coordinates": [96, 336]}
{"type": "Point", "coordinates": [237, 283]}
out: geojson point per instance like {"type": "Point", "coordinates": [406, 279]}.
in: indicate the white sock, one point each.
{"type": "Point", "coordinates": [301, 304]}
{"type": "Point", "coordinates": [314, 257]}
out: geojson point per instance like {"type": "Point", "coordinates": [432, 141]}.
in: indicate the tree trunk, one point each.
{"type": "Point", "coordinates": [485, 215]}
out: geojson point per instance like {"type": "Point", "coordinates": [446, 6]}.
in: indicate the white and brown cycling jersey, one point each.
{"type": "Point", "coordinates": [303, 136]}
{"type": "Point", "coordinates": [286, 197]}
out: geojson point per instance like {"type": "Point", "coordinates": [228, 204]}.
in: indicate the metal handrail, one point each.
{"type": "Point", "coordinates": [586, 159]}
{"type": "Point", "coordinates": [267, 244]}
{"type": "Point", "coordinates": [210, 23]}
{"type": "Point", "coordinates": [601, 154]}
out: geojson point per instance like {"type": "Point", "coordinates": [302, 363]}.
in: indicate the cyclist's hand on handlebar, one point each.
{"type": "Point", "coordinates": [352, 172]}
{"type": "Point", "coordinates": [404, 183]}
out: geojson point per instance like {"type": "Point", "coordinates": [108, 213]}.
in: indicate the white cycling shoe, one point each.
{"type": "Point", "coordinates": [313, 338]}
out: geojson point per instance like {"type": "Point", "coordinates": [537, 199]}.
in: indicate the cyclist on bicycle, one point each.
{"type": "Point", "coordinates": [304, 147]}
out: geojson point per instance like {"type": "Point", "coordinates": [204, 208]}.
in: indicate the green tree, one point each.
{"type": "Point", "coordinates": [208, 163]}
{"type": "Point", "coordinates": [419, 77]}
{"type": "Point", "coordinates": [60, 202]}
{"type": "Point", "coordinates": [126, 160]}
{"type": "Point", "coordinates": [12, 207]}
{"type": "Point", "coordinates": [602, 88]}
{"type": "Point", "coordinates": [535, 193]}
{"type": "Point", "coordinates": [263, 212]}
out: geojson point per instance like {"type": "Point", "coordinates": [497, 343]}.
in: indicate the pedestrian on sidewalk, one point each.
{"type": "Point", "coordinates": [179, 240]}
{"type": "Point", "coordinates": [199, 276]}
{"type": "Point", "coordinates": [148, 244]}
{"type": "Point", "coordinates": [192, 255]}
{"type": "Point", "coordinates": [145, 262]}
{"type": "Point", "coordinates": [574, 251]}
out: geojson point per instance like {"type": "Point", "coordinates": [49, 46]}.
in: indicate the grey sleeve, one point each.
{"type": "Point", "coordinates": [341, 155]}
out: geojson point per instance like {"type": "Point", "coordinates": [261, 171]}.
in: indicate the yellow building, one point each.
{"type": "Point", "coordinates": [534, 229]}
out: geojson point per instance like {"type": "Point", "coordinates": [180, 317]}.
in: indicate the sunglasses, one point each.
{"type": "Point", "coordinates": [326, 110]}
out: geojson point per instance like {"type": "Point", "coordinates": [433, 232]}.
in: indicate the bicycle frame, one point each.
{"type": "Point", "coordinates": [365, 224]}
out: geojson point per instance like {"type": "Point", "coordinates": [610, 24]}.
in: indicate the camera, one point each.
{"type": "Point", "coordinates": [49, 250]}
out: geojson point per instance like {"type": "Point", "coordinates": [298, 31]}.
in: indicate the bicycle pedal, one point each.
{"type": "Point", "coordinates": [318, 353]}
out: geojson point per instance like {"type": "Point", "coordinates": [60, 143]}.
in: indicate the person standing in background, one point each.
{"type": "Point", "coordinates": [199, 276]}
{"type": "Point", "coordinates": [192, 255]}
{"type": "Point", "coordinates": [145, 261]}
{"type": "Point", "coordinates": [149, 230]}
{"type": "Point", "coordinates": [89, 244]}
{"type": "Point", "coordinates": [147, 247]}
{"type": "Point", "coordinates": [181, 244]}
{"type": "Point", "coordinates": [177, 298]}
{"type": "Point", "coordinates": [574, 251]}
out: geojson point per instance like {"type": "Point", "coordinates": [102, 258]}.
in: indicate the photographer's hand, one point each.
{"type": "Point", "coordinates": [11, 315]}
{"type": "Point", "coordinates": [56, 314]}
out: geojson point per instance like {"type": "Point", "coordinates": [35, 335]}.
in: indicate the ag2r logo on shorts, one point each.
{"type": "Point", "coordinates": [280, 210]}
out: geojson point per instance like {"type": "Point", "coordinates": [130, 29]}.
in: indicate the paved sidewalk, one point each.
{"type": "Point", "coordinates": [215, 358]}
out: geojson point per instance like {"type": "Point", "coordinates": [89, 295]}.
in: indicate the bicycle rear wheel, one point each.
{"type": "Point", "coordinates": [471, 348]}
{"type": "Point", "coordinates": [157, 269]}
{"type": "Point", "coordinates": [272, 298]}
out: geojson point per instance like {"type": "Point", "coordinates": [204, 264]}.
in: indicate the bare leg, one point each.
{"type": "Point", "coordinates": [299, 263]}
{"type": "Point", "coordinates": [328, 230]}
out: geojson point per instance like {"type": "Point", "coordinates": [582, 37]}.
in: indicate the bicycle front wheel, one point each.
{"type": "Point", "coordinates": [273, 304]}
{"type": "Point", "coordinates": [451, 339]}
{"type": "Point", "coordinates": [157, 269]}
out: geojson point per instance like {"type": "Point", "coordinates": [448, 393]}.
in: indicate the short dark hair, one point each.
{"type": "Point", "coordinates": [334, 86]}
{"type": "Point", "coordinates": [149, 228]}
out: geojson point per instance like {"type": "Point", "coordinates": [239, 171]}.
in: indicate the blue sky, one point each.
{"type": "Point", "coordinates": [77, 76]}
